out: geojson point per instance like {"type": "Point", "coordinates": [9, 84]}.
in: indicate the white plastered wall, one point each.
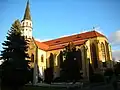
{"type": "Point", "coordinates": [41, 65]}
{"type": "Point", "coordinates": [27, 28]}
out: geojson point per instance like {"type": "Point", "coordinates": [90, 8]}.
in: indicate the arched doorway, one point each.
{"type": "Point", "coordinates": [51, 60]}
{"type": "Point", "coordinates": [94, 55]}
{"type": "Point", "coordinates": [79, 58]}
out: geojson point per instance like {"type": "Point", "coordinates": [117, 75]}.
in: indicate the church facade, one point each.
{"type": "Point", "coordinates": [93, 46]}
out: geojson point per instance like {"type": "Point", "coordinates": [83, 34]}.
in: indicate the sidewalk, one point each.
{"type": "Point", "coordinates": [69, 86]}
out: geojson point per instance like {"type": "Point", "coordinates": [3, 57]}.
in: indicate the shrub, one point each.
{"type": "Point", "coordinates": [48, 75]}
{"type": "Point", "coordinates": [57, 79]}
{"type": "Point", "coordinates": [108, 72]}
{"type": "Point", "coordinates": [96, 78]}
{"type": "Point", "coordinates": [117, 68]}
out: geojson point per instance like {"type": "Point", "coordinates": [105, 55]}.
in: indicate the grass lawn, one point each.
{"type": "Point", "coordinates": [42, 88]}
{"type": "Point", "coordinates": [37, 88]}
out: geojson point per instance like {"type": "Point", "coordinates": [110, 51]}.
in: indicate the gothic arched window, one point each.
{"type": "Point", "coordinates": [107, 50]}
{"type": "Point", "coordinates": [32, 58]}
{"type": "Point", "coordinates": [51, 60]}
{"type": "Point", "coordinates": [55, 59]}
{"type": "Point", "coordinates": [103, 51]}
{"type": "Point", "coordinates": [103, 54]}
{"type": "Point", "coordinates": [94, 55]}
{"type": "Point", "coordinates": [42, 58]}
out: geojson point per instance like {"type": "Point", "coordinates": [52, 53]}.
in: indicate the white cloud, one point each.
{"type": "Point", "coordinates": [42, 40]}
{"type": "Point", "coordinates": [68, 35]}
{"type": "Point", "coordinates": [116, 54]}
{"type": "Point", "coordinates": [114, 38]}
{"type": "Point", "coordinates": [98, 29]}
{"type": "Point", "coordinates": [84, 31]}
{"type": "Point", "coordinates": [54, 38]}
{"type": "Point", "coordinates": [37, 39]}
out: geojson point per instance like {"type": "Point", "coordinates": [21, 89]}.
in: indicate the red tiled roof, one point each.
{"type": "Point", "coordinates": [59, 43]}
{"type": "Point", "coordinates": [73, 38]}
{"type": "Point", "coordinates": [60, 46]}
{"type": "Point", "coordinates": [41, 45]}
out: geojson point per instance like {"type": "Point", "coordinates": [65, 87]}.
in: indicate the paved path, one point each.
{"type": "Point", "coordinates": [75, 87]}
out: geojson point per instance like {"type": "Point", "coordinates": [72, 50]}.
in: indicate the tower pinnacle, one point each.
{"type": "Point", "coordinates": [27, 15]}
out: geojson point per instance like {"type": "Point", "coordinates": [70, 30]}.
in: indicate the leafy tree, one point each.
{"type": "Point", "coordinates": [117, 68]}
{"type": "Point", "coordinates": [15, 68]}
{"type": "Point", "coordinates": [15, 46]}
{"type": "Point", "coordinates": [71, 70]}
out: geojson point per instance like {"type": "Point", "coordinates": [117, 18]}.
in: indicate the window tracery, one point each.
{"type": "Point", "coordinates": [103, 51]}
{"type": "Point", "coordinates": [42, 58]}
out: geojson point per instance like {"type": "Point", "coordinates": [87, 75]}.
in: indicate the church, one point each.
{"type": "Point", "coordinates": [93, 46]}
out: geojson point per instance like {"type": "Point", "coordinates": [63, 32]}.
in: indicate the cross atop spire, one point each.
{"type": "Point", "coordinates": [27, 15]}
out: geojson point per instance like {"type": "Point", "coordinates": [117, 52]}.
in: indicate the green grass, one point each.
{"type": "Point", "coordinates": [37, 88]}
{"type": "Point", "coordinates": [42, 88]}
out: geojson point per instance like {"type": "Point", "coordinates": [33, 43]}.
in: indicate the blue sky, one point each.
{"type": "Point", "coordinates": [55, 18]}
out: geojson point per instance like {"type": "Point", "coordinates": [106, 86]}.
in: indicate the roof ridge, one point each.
{"type": "Point", "coordinates": [96, 32]}
{"type": "Point", "coordinates": [67, 42]}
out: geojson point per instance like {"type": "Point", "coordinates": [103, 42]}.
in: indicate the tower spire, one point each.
{"type": "Point", "coordinates": [27, 15]}
{"type": "Point", "coordinates": [26, 23]}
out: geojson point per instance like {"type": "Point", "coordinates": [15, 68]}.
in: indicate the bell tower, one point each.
{"type": "Point", "coordinates": [26, 23]}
